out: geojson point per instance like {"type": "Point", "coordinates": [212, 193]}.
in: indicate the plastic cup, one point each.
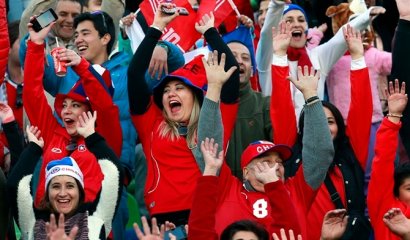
{"type": "Point", "coordinates": [59, 66]}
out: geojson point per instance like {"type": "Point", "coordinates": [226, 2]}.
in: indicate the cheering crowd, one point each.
{"type": "Point", "coordinates": [185, 119]}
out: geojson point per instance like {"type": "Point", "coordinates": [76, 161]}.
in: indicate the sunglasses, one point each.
{"type": "Point", "coordinates": [19, 96]}
{"type": "Point", "coordinates": [99, 12]}
{"type": "Point", "coordinates": [71, 146]}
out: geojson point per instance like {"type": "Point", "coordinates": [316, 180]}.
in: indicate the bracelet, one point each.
{"type": "Point", "coordinates": [311, 99]}
{"type": "Point", "coordinates": [156, 27]}
{"type": "Point", "coordinates": [395, 115]}
{"type": "Point", "coordinates": [163, 45]}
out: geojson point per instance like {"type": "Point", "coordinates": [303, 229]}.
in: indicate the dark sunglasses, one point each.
{"type": "Point", "coordinates": [71, 146]}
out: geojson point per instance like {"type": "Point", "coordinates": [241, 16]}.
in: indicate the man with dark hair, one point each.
{"type": "Point", "coordinates": [253, 119]}
{"type": "Point", "coordinates": [104, 27]}
{"type": "Point", "coordinates": [66, 11]}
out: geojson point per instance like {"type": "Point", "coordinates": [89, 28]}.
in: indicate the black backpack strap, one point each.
{"type": "Point", "coordinates": [334, 195]}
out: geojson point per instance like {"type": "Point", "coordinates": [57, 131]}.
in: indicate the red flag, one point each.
{"type": "Point", "coordinates": [181, 31]}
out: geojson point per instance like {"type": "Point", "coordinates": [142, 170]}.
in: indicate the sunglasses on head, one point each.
{"type": "Point", "coordinates": [99, 12]}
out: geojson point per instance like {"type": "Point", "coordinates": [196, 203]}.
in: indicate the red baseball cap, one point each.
{"type": "Point", "coordinates": [258, 148]}
{"type": "Point", "coordinates": [77, 92]}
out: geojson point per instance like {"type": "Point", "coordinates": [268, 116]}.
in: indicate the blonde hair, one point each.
{"type": "Point", "coordinates": [169, 128]}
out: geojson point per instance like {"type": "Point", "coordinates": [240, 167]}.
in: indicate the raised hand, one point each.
{"type": "Point", "coordinates": [245, 20]}
{"type": "Point", "coordinates": [34, 135]}
{"type": "Point", "coordinates": [322, 27]}
{"type": "Point", "coordinates": [58, 233]}
{"type": "Point", "coordinates": [86, 123]}
{"type": "Point", "coordinates": [156, 234]}
{"type": "Point", "coordinates": [404, 9]}
{"type": "Point", "coordinates": [158, 62]}
{"type": "Point", "coordinates": [281, 38]}
{"type": "Point", "coordinates": [306, 82]}
{"type": "Point", "coordinates": [161, 20]}
{"type": "Point", "coordinates": [215, 72]}
{"type": "Point", "coordinates": [213, 160]}
{"type": "Point", "coordinates": [206, 22]}
{"type": "Point", "coordinates": [397, 222]}
{"type": "Point", "coordinates": [38, 37]}
{"type": "Point", "coordinates": [377, 10]}
{"type": "Point", "coordinates": [69, 56]}
{"type": "Point", "coordinates": [127, 20]}
{"type": "Point", "coordinates": [284, 237]}
{"type": "Point", "coordinates": [396, 100]}
{"type": "Point", "coordinates": [334, 224]}
{"type": "Point", "coordinates": [354, 42]}
{"type": "Point", "coordinates": [266, 174]}
{"type": "Point", "coordinates": [6, 113]}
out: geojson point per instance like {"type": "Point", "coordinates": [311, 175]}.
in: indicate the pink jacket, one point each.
{"type": "Point", "coordinates": [338, 83]}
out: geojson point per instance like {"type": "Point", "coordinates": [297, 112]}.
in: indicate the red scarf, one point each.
{"type": "Point", "coordinates": [300, 55]}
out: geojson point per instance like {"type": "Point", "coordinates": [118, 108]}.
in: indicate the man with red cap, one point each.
{"type": "Point", "coordinates": [264, 196]}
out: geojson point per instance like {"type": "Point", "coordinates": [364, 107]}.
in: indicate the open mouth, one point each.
{"type": "Point", "coordinates": [297, 34]}
{"type": "Point", "coordinates": [67, 27]}
{"type": "Point", "coordinates": [69, 121]}
{"type": "Point", "coordinates": [174, 105]}
{"type": "Point", "coordinates": [82, 48]}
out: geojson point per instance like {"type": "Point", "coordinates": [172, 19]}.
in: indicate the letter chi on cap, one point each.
{"type": "Point", "coordinates": [258, 148]}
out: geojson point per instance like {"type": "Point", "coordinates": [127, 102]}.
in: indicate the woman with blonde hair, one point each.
{"type": "Point", "coordinates": [167, 119]}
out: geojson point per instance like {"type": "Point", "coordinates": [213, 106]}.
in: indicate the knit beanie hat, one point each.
{"type": "Point", "coordinates": [66, 166]}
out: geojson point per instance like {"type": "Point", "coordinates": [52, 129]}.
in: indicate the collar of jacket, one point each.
{"type": "Point", "coordinates": [245, 91]}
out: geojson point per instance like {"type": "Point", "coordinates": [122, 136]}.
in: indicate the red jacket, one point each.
{"type": "Point", "coordinates": [273, 209]}
{"type": "Point", "coordinates": [357, 129]}
{"type": "Point", "coordinates": [11, 91]}
{"type": "Point", "coordinates": [4, 40]}
{"type": "Point", "coordinates": [380, 196]}
{"type": "Point", "coordinates": [172, 171]}
{"type": "Point", "coordinates": [220, 201]}
{"type": "Point", "coordinates": [55, 136]}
